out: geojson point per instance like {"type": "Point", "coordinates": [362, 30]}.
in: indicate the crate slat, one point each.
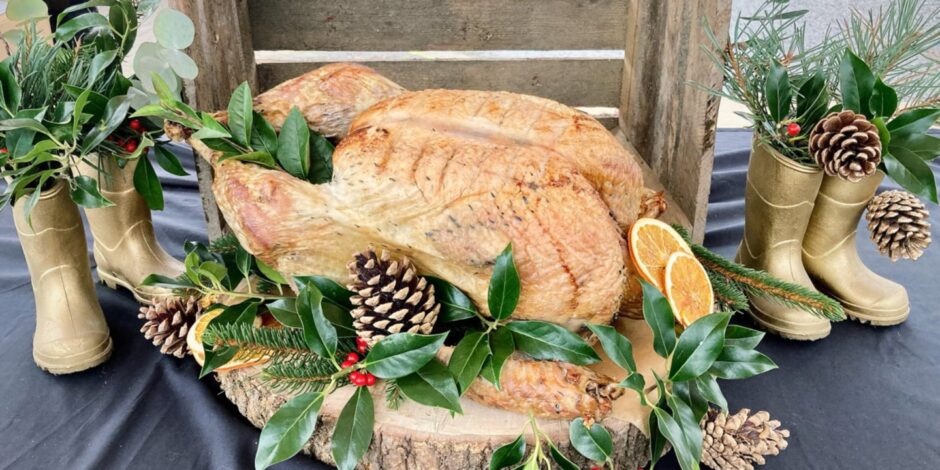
{"type": "Point", "coordinates": [437, 24]}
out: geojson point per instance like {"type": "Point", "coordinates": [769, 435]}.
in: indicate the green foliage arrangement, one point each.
{"type": "Point", "coordinates": [874, 64]}
{"type": "Point", "coordinates": [65, 100]}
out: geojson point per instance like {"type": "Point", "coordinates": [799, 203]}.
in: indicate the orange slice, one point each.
{"type": "Point", "coordinates": [194, 341]}
{"type": "Point", "coordinates": [651, 243]}
{"type": "Point", "coordinates": [688, 289]}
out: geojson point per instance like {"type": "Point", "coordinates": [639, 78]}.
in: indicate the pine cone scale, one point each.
{"type": "Point", "coordinates": [167, 322]}
{"type": "Point", "coordinates": [847, 145]}
{"type": "Point", "coordinates": [740, 441]}
{"type": "Point", "coordinates": [899, 224]}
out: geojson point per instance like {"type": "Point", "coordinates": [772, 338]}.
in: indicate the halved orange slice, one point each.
{"type": "Point", "coordinates": [651, 243]}
{"type": "Point", "coordinates": [688, 289]}
{"type": "Point", "coordinates": [194, 341]}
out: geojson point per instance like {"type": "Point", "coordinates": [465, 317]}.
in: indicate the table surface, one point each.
{"type": "Point", "coordinates": [863, 398]}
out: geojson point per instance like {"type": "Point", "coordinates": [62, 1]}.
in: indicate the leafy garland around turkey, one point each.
{"type": "Point", "coordinates": [64, 99]}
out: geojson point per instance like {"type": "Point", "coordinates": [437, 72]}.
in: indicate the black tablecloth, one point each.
{"type": "Point", "coordinates": [864, 398]}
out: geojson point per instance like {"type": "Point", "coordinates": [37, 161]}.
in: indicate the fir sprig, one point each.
{"type": "Point", "coordinates": [393, 395]}
{"type": "Point", "coordinates": [302, 376]}
{"type": "Point", "coordinates": [279, 345]}
{"type": "Point", "coordinates": [761, 284]}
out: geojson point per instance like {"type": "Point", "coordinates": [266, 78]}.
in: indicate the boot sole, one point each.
{"type": "Point", "coordinates": [769, 324]}
{"type": "Point", "coordinates": [55, 366]}
{"type": "Point", "coordinates": [113, 282]}
{"type": "Point", "coordinates": [866, 319]}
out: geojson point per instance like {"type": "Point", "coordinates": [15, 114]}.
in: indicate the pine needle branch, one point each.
{"type": "Point", "coordinates": [301, 377]}
{"type": "Point", "coordinates": [227, 243]}
{"type": "Point", "coordinates": [393, 395]}
{"type": "Point", "coordinates": [729, 297]}
{"type": "Point", "coordinates": [762, 284]}
{"type": "Point", "coordinates": [279, 345]}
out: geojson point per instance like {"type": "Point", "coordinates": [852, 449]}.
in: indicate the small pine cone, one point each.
{"type": "Point", "coordinates": [167, 322]}
{"type": "Point", "coordinates": [898, 222]}
{"type": "Point", "coordinates": [390, 297]}
{"type": "Point", "coordinates": [847, 145]}
{"type": "Point", "coordinates": [740, 441]}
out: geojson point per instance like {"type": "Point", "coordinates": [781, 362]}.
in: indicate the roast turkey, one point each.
{"type": "Point", "coordinates": [447, 178]}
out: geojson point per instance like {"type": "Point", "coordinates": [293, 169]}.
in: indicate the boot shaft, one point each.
{"type": "Point", "coordinates": [838, 210]}
{"type": "Point", "coordinates": [117, 185]}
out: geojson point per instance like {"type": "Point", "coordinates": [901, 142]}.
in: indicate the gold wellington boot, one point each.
{"type": "Point", "coordinates": [71, 332]}
{"type": "Point", "coordinates": [126, 249]}
{"type": "Point", "coordinates": [831, 257]}
{"type": "Point", "coordinates": [778, 203]}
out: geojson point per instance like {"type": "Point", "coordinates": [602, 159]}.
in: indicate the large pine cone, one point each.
{"type": "Point", "coordinates": [167, 322]}
{"type": "Point", "coordinates": [739, 441]}
{"type": "Point", "coordinates": [390, 297]}
{"type": "Point", "coordinates": [847, 145]}
{"type": "Point", "coordinates": [898, 222]}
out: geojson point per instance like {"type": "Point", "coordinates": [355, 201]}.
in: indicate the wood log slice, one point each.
{"type": "Point", "coordinates": [417, 437]}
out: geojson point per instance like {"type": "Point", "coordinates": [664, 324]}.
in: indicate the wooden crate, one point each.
{"type": "Point", "coordinates": [630, 63]}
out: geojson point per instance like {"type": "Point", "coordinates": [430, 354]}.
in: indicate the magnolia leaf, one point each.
{"type": "Point", "coordinates": [432, 385]}
{"type": "Point", "coordinates": [402, 353]}
{"type": "Point", "coordinates": [173, 29]}
{"type": "Point", "coordinates": [86, 194]}
{"type": "Point", "coordinates": [698, 347]}
{"type": "Point", "coordinates": [777, 91]}
{"type": "Point", "coordinates": [549, 341]}
{"type": "Point", "coordinates": [503, 294]}
{"type": "Point", "coordinates": [354, 428]}
{"type": "Point", "coordinates": [658, 315]}
{"type": "Point", "coordinates": [468, 357]}
{"type": "Point", "coordinates": [594, 442]}
{"type": "Point", "coordinates": [508, 455]}
{"type": "Point", "coordinates": [147, 184]}
{"type": "Point", "coordinates": [289, 429]}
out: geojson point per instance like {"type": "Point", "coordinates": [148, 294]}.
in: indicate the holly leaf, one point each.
{"type": "Point", "coordinates": [332, 291]}
{"type": "Point", "coordinates": [467, 359]}
{"type": "Point", "coordinates": [616, 346]}
{"type": "Point", "coordinates": [739, 363]}
{"type": "Point", "coordinates": [86, 193]}
{"type": "Point", "coordinates": [658, 315]}
{"type": "Point", "coordinates": [293, 145]}
{"type": "Point", "coordinates": [354, 429]}
{"type": "Point", "coordinates": [813, 100]}
{"type": "Point", "coordinates": [321, 170]}
{"type": "Point", "coordinates": [501, 347]}
{"type": "Point", "coordinates": [777, 91]}
{"type": "Point", "coordinates": [168, 161]}
{"type": "Point", "coordinates": [402, 353]}
{"type": "Point", "coordinates": [289, 429]}
{"type": "Point", "coordinates": [698, 347]}
{"type": "Point", "coordinates": [455, 305]}
{"type": "Point", "coordinates": [915, 121]}
{"type": "Point", "coordinates": [857, 84]}
{"type": "Point", "coordinates": [240, 114]}
{"type": "Point", "coordinates": [432, 385]}
{"type": "Point", "coordinates": [508, 455]}
{"type": "Point", "coordinates": [319, 334]}
{"type": "Point", "coordinates": [285, 312]}
{"type": "Point", "coordinates": [147, 184]}
{"type": "Point", "coordinates": [552, 342]}
{"type": "Point", "coordinates": [503, 294]}
{"type": "Point", "coordinates": [594, 442]}
{"type": "Point", "coordinates": [884, 100]}
{"type": "Point", "coordinates": [736, 335]}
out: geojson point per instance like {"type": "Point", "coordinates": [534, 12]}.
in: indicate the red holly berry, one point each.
{"type": "Point", "coordinates": [352, 357]}
{"type": "Point", "coordinates": [354, 374]}
{"type": "Point", "coordinates": [347, 363]}
{"type": "Point", "coordinates": [4, 150]}
{"type": "Point", "coordinates": [595, 468]}
{"type": "Point", "coordinates": [793, 129]}
{"type": "Point", "coordinates": [130, 146]}
{"type": "Point", "coordinates": [370, 379]}
{"type": "Point", "coordinates": [136, 125]}
{"type": "Point", "coordinates": [359, 380]}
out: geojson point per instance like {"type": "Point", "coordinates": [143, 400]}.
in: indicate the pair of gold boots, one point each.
{"type": "Point", "coordinates": [71, 332]}
{"type": "Point", "coordinates": [800, 226]}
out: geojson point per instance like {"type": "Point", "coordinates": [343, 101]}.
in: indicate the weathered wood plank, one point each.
{"type": "Point", "coordinates": [222, 50]}
{"type": "Point", "coordinates": [573, 82]}
{"type": "Point", "coordinates": [670, 122]}
{"type": "Point", "coordinates": [437, 24]}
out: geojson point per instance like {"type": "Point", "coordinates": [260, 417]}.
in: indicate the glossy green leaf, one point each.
{"type": "Point", "coordinates": [884, 100]}
{"type": "Point", "coordinates": [353, 432]}
{"type": "Point", "coordinates": [68, 30]}
{"type": "Point", "coordinates": [503, 293]}
{"type": "Point", "coordinates": [289, 429]}
{"type": "Point", "coordinates": [261, 158]}
{"type": "Point", "coordinates": [915, 121]}
{"type": "Point", "coordinates": [263, 135]}
{"type": "Point", "coordinates": [777, 92]}
{"type": "Point", "coordinates": [455, 305]}
{"type": "Point", "coordinates": [671, 430]}
{"type": "Point", "coordinates": [285, 312]}
{"type": "Point", "coordinates": [402, 353]}
{"type": "Point", "coordinates": [98, 64]}
{"type": "Point", "coordinates": [24, 123]}
{"type": "Point", "coordinates": [739, 363]}
{"type": "Point", "coordinates": [331, 290]}
{"type": "Point", "coordinates": [158, 280]}
{"type": "Point", "coordinates": [658, 315]}
{"type": "Point", "coordinates": [243, 313]}
{"type": "Point", "coordinates": [501, 347]}
{"type": "Point", "coordinates": [10, 91]}
{"type": "Point", "coordinates": [925, 146]}
{"type": "Point", "coordinates": [635, 382]}
{"type": "Point", "coordinates": [698, 347]}
{"type": "Point", "coordinates": [168, 161]}
{"type": "Point", "coordinates": [432, 385]}
{"type": "Point", "coordinates": [147, 184]}
{"type": "Point", "coordinates": [857, 84]}
{"type": "Point", "coordinates": [319, 334]}
{"type": "Point", "coordinates": [616, 346]}
{"type": "Point", "coordinates": [689, 447]}
{"type": "Point", "coordinates": [173, 29]}
{"type": "Point", "coordinates": [468, 357]}
{"type": "Point", "coordinates": [508, 455]}
{"type": "Point", "coordinates": [549, 341]}
{"type": "Point", "coordinates": [115, 112]}
{"type": "Point", "coordinates": [813, 100]}
{"type": "Point", "coordinates": [560, 459]}
{"type": "Point", "coordinates": [269, 272]}
{"type": "Point", "coordinates": [293, 145]}
{"type": "Point", "coordinates": [708, 387]}
{"type": "Point", "coordinates": [211, 129]}
{"type": "Point", "coordinates": [240, 115]}
{"type": "Point", "coordinates": [86, 194]}
{"type": "Point", "coordinates": [594, 442]}
{"type": "Point", "coordinates": [689, 394]}
{"type": "Point", "coordinates": [340, 319]}
{"type": "Point", "coordinates": [911, 172]}
{"type": "Point", "coordinates": [321, 156]}
{"type": "Point", "coordinates": [736, 335]}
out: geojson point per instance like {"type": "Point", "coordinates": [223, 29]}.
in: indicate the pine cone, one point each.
{"type": "Point", "coordinates": [390, 297]}
{"type": "Point", "coordinates": [845, 144]}
{"type": "Point", "coordinates": [899, 224]}
{"type": "Point", "coordinates": [167, 322]}
{"type": "Point", "coordinates": [740, 441]}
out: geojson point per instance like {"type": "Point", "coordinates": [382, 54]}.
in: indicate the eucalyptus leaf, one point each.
{"type": "Point", "coordinates": [777, 92]}
{"type": "Point", "coordinates": [739, 363]}
{"type": "Point", "coordinates": [432, 385]}
{"type": "Point", "coordinates": [183, 65]}
{"type": "Point", "coordinates": [857, 84]}
{"type": "Point", "coordinates": [240, 115]}
{"type": "Point", "coordinates": [616, 346]}
{"type": "Point", "coordinates": [173, 29]}
{"type": "Point", "coordinates": [86, 194]}
{"type": "Point", "coordinates": [402, 353]}
{"type": "Point", "coordinates": [467, 359]}
{"type": "Point", "coordinates": [455, 305]}
{"type": "Point", "coordinates": [319, 334]}
{"type": "Point", "coordinates": [698, 347]}
{"type": "Point", "coordinates": [884, 100]}
{"type": "Point", "coordinates": [289, 429]}
{"type": "Point", "coordinates": [293, 145]}
{"type": "Point", "coordinates": [354, 428]}
{"type": "Point", "coordinates": [508, 455]}
{"type": "Point", "coordinates": [25, 10]}
{"type": "Point", "coordinates": [594, 442]}
{"type": "Point", "coordinates": [549, 341]}
{"type": "Point", "coordinates": [504, 288]}
{"type": "Point", "coordinates": [659, 317]}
